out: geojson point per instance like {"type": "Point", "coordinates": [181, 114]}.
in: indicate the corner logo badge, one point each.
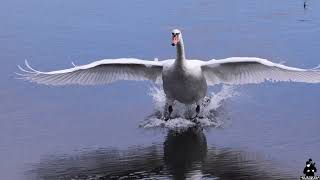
{"type": "Point", "coordinates": [309, 171]}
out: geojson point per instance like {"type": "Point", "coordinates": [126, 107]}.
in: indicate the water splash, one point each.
{"type": "Point", "coordinates": [212, 111]}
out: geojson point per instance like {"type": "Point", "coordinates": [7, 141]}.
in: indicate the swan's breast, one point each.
{"type": "Point", "coordinates": [185, 84]}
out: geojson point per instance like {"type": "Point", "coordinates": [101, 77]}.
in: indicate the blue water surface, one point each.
{"type": "Point", "coordinates": [81, 132]}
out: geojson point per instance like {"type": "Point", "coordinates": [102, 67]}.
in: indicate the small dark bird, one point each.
{"type": "Point", "coordinates": [305, 5]}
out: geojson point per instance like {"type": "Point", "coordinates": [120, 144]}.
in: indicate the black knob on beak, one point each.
{"type": "Point", "coordinates": [173, 44]}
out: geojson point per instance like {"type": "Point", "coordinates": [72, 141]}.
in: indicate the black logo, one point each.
{"type": "Point", "coordinates": [309, 170]}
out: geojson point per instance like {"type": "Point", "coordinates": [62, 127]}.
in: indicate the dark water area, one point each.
{"type": "Point", "coordinates": [83, 132]}
{"type": "Point", "coordinates": [182, 155]}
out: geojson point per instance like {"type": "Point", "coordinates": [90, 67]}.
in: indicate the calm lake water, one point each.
{"type": "Point", "coordinates": [93, 132]}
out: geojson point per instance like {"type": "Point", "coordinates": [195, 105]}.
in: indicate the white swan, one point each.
{"type": "Point", "coordinates": [183, 80]}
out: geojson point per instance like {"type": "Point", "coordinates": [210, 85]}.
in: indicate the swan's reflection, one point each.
{"type": "Point", "coordinates": [182, 156]}
{"type": "Point", "coordinates": [184, 151]}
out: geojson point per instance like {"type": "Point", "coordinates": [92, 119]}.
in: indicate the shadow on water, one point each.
{"type": "Point", "coordinates": [182, 156]}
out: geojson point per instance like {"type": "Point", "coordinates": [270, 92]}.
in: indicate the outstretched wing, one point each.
{"type": "Point", "coordinates": [246, 70]}
{"type": "Point", "coordinates": [98, 72]}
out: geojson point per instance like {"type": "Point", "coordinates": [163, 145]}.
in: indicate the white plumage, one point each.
{"type": "Point", "coordinates": [246, 70]}
{"type": "Point", "coordinates": [234, 70]}
{"type": "Point", "coordinates": [183, 80]}
{"type": "Point", "coordinates": [98, 72]}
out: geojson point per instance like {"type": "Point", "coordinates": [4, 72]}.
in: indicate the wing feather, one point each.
{"type": "Point", "coordinates": [247, 70]}
{"type": "Point", "coordinates": [99, 72]}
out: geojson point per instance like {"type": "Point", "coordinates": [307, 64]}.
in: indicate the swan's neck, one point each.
{"type": "Point", "coordinates": [180, 53]}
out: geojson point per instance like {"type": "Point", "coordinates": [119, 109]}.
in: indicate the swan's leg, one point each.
{"type": "Point", "coordinates": [168, 109]}
{"type": "Point", "coordinates": [197, 109]}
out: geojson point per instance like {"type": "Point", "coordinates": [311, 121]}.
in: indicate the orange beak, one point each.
{"type": "Point", "coordinates": [175, 40]}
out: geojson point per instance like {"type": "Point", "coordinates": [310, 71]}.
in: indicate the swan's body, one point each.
{"type": "Point", "coordinates": [183, 80]}
{"type": "Point", "coordinates": [186, 83]}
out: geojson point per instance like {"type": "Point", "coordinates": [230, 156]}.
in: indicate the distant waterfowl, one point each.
{"type": "Point", "coordinates": [183, 80]}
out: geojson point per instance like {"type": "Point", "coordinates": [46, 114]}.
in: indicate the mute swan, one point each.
{"type": "Point", "coordinates": [183, 80]}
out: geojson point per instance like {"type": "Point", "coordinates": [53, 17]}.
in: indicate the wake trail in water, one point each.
{"type": "Point", "coordinates": [212, 111]}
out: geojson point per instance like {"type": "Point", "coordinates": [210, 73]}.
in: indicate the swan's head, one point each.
{"type": "Point", "coordinates": [176, 37]}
